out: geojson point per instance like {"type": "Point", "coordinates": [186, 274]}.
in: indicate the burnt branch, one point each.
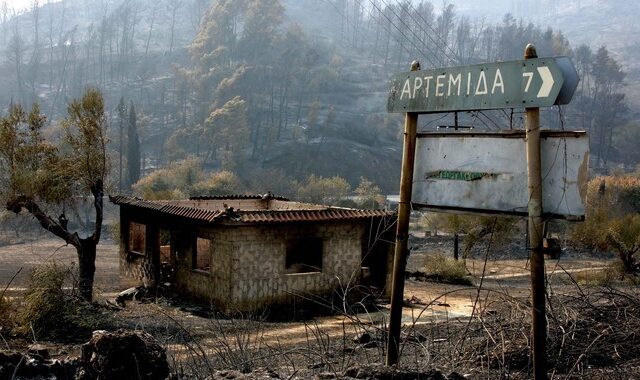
{"type": "Point", "coordinates": [21, 202]}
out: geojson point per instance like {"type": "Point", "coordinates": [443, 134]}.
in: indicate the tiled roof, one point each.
{"type": "Point", "coordinates": [285, 216]}
{"type": "Point", "coordinates": [167, 208]}
{"type": "Point", "coordinates": [251, 217]}
{"type": "Point", "coordinates": [238, 197]}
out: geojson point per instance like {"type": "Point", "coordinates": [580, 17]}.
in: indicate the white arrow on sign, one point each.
{"type": "Point", "coordinates": [547, 81]}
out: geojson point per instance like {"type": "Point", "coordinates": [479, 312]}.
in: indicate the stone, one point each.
{"type": "Point", "coordinates": [32, 366]}
{"type": "Point", "coordinates": [326, 376]}
{"type": "Point", "coordinates": [362, 338]}
{"type": "Point", "coordinates": [125, 355]}
{"type": "Point", "coordinates": [381, 372]}
{"type": "Point", "coordinates": [372, 344]}
{"type": "Point", "coordinates": [38, 349]}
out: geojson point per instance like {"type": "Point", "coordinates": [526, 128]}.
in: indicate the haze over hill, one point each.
{"type": "Point", "coordinates": [611, 23]}
{"type": "Point", "coordinates": [299, 87]}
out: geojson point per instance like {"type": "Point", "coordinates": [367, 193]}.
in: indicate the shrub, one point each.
{"type": "Point", "coordinates": [217, 183]}
{"type": "Point", "coordinates": [476, 229]}
{"type": "Point", "coordinates": [173, 182]}
{"type": "Point", "coordinates": [186, 178]}
{"type": "Point", "coordinates": [323, 190]}
{"type": "Point", "coordinates": [7, 315]}
{"type": "Point", "coordinates": [603, 277]}
{"type": "Point", "coordinates": [369, 194]}
{"type": "Point", "coordinates": [445, 269]}
{"type": "Point", "coordinates": [612, 222]}
{"type": "Point", "coordinates": [53, 312]}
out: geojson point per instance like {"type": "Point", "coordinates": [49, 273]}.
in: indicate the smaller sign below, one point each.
{"type": "Point", "coordinates": [486, 173]}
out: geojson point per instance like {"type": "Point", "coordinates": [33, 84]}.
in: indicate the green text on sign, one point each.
{"type": "Point", "coordinates": [457, 175]}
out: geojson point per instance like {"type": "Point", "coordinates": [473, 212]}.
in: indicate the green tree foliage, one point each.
{"type": "Point", "coordinates": [474, 229]}
{"type": "Point", "coordinates": [369, 194]}
{"type": "Point", "coordinates": [184, 179]}
{"type": "Point", "coordinates": [226, 132]}
{"type": "Point", "coordinates": [623, 237]}
{"type": "Point", "coordinates": [612, 221]}
{"type": "Point", "coordinates": [173, 182]}
{"type": "Point", "coordinates": [40, 176]}
{"type": "Point", "coordinates": [218, 183]}
{"type": "Point", "coordinates": [625, 143]}
{"type": "Point", "coordinates": [322, 190]}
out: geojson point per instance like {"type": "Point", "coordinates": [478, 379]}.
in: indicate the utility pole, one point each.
{"type": "Point", "coordinates": [535, 232]}
{"type": "Point", "coordinates": [402, 232]}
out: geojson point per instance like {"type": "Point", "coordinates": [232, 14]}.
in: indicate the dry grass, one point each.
{"type": "Point", "coordinates": [52, 310]}
{"type": "Point", "coordinates": [603, 277]}
{"type": "Point", "coordinates": [445, 269]}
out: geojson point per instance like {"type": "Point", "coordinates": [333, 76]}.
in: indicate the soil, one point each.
{"type": "Point", "coordinates": [199, 343]}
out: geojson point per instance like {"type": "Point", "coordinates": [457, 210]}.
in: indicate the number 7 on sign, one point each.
{"type": "Point", "coordinates": [529, 77]}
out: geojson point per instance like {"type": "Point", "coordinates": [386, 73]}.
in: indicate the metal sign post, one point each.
{"type": "Point", "coordinates": [534, 164]}
{"type": "Point", "coordinates": [402, 233]}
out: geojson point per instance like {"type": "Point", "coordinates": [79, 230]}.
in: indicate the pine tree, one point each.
{"type": "Point", "coordinates": [122, 114]}
{"type": "Point", "coordinates": [133, 148]}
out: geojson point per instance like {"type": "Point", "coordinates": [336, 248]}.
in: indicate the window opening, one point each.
{"type": "Point", "coordinates": [202, 257]}
{"type": "Point", "coordinates": [304, 256]}
{"type": "Point", "coordinates": [137, 237]}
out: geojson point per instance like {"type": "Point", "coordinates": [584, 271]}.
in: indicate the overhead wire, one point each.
{"type": "Point", "coordinates": [434, 120]}
{"type": "Point", "coordinates": [426, 56]}
{"type": "Point", "coordinates": [444, 46]}
{"type": "Point", "coordinates": [386, 28]}
{"type": "Point", "coordinates": [408, 27]}
{"type": "Point", "coordinates": [426, 51]}
{"type": "Point", "coordinates": [490, 120]}
{"type": "Point", "coordinates": [453, 59]}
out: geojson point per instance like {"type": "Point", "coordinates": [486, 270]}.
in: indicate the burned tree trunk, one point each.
{"type": "Point", "coordinates": [85, 247]}
{"type": "Point", "coordinates": [86, 267]}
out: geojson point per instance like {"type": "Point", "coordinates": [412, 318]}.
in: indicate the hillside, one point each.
{"type": "Point", "coordinates": [312, 89]}
{"type": "Point", "coordinates": [612, 23]}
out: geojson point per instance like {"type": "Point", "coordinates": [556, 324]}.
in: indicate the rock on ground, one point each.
{"type": "Point", "coordinates": [125, 355]}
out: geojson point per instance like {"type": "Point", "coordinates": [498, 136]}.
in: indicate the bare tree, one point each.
{"type": "Point", "coordinates": [15, 55]}
{"type": "Point", "coordinates": [4, 9]}
{"type": "Point", "coordinates": [151, 24]}
{"type": "Point", "coordinates": [173, 6]}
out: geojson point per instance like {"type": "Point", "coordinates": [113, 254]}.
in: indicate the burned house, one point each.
{"type": "Point", "coordinates": [248, 252]}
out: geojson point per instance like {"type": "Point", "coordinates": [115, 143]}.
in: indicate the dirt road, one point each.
{"type": "Point", "coordinates": [19, 260]}
{"type": "Point", "coordinates": [431, 301]}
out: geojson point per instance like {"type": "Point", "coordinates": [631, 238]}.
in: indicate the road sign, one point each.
{"type": "Point", "coordinates": [539, 82]}
{"type": "Point", "coordinates": [486, 173]}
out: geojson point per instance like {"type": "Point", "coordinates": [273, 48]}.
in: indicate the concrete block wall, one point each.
{"type": "Point", "coordinates": [248, 270]}
{"type": "Point", "coordinates": [258, 266]}
{"type": "Point", "coordinates": [214, 285]}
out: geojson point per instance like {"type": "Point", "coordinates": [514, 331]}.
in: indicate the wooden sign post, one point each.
{"type": "Point", "coordinates": [402, 232]}
{"type": "Point", "coordinates": [530, 83]}
{"type": "Point", "coordinates": [534, 164]}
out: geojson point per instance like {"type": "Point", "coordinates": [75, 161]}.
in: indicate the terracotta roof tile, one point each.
{"type": "Point", "coordinates": [167, 208]}
{"type": "Point", "coordinates": [251, 217]}
{"type": "Point", "coordinates": [238, 197]}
